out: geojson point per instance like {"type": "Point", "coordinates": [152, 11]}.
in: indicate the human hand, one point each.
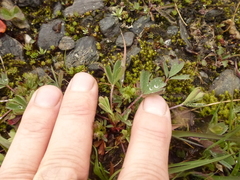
{"type": "Point", "coordinates": [54, 138]}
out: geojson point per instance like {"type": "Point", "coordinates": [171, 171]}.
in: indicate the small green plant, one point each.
{"type": "Point", "coordinates": [118, 13]}
{"type": "Point", "coordinates": [11, 13]}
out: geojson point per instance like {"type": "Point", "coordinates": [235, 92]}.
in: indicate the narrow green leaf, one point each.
{"type": "Point", "coordinates": [165, 69]}
{"type": "Point", "coordinates": [225, 177]}
{"type": "Point", "coordinates": [109, 74]}
{"type": "Point", "coordinates": [195, 95]}
{"type": "Point", "coordinates": [184, 166]}
{"type": "Point", "coordinates": [20, 100]}
{"type": "Point", "coordinates": [176, 67]}
{"type": "Point", "coordinates": [144, 79]}
{"type": "Point", "coordinates": [181, 77]}
{"type": "Point", "coordinates": [4, 143]}
{"type": "Point", "coordinates": [98, 169]}
{"type": "Point", "coordinates": [196, 105]}
{"type": "Point", "coordinates": [118, 71]}
{"type": "Point", "coordinates": [104, 104]}
{"type": "Point", "coordinates": [1, 158]}
{"type": "Point", "coordinates": [4, 79]}
{"type": "Point", "coordinates": [236, 167]}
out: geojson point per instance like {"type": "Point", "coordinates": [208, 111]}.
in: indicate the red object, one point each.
{"type": "Point", "coordinates": [3, 27]}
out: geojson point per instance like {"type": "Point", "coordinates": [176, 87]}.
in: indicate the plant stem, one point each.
{"type": "Point", "coordinates": [129, 107]}
{"type": "Point", "coordinates": [174, 107]}
{"type": "Point", "coordinates": [111, 96]}
{"type": "Point", "coordinates": [10, 88]}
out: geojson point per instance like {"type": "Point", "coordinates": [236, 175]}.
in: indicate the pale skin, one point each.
{"type": "Point", "coordinates": [54, 139]}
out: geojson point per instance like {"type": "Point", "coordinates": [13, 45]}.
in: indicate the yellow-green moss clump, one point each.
{"type": "Point", "coordinates": [224, 110]}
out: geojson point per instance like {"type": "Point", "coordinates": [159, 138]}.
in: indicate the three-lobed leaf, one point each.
{"type": "Point", "coordinates": [18, 105]}
{"type": "Point", "coordinates": [114, 75]}
{"type": "Point", "coordinates": [153, 86]}
{"type": "Point", "coordinates": [105, 105]}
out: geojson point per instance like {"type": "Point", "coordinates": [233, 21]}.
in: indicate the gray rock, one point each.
{"type": "Point", "coordinates": [32, 3]}
{"type": "Point", "coordinates": [109, 26]}
{"type": "Point", "coordinates": [128, 36]}
{"type": "Point", "coordinates": [172, 30]}
{"type": "Point", "coordinates": [134, 50]}
{"type": "Point", "coordinates": [66, 43]}
{"type": "Point", "coordinates": [12, 46]}
{"type": "Point", "coordinates": [50, 34]}
{"type": "Point", "coordinates": [57, 8]}
{"type": "Point", "coordinates": [84, 53]}
{"type": "Point", "coordinates": [82, 6]}
{"type": "Point", "coordinates": [227, 81]}
{"type": "Point", "coordinates": [140, 24]}
{"type": "Point", "coordinates": [39, 71]}
{"type": "Point", "coordinates": [214, 14]}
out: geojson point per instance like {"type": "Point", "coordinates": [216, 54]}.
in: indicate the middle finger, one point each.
{"type": "Point", "coordinates": [69, 149]}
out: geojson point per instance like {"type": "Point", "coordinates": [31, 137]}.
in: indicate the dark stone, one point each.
{"type": "Point", "coordinates": [140, 24]}
{"type": "Point", "coordinates": [32, 3]}
{"type": "Point", "coordinates": [84, 53]}
{"type": "Point", "coordinates": [128, 36]}
{"type": "Point", "coordinates": [214, 15]}
{"type": "Point", "coordinates": [82, 6]}
{"type": "Point", "coordinates": [50, 34]}
{"type": "Point", "coordinates": [227, 81]}
{"type": "Point", "coordinates": [109, 26]}
{"type": "Point", "coordinates": [172, 30]}
{"type": "Point", "coordinates": [12, 46]}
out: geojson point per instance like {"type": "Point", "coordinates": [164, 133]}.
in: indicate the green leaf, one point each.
{"type": "Point", "coordinates": [98, 169]}
{"type": "Point", "coordinates": [175, 68]}
{"type": "Point", "coordinates": [109, 74]}
{"type": "Point", "coordinates": [144, 79]}
{"type": "Point", "coordinates": [114, 75]}
{"type": "Point", "coordinates": [184, 166]}
{"type": "Point", "coordinates": [4, 143]}
{"type": "Point", "coordinates": [225, 177]}
{"type": "Point", "coordinates": [3, 80]}
{"type": "Point", "coordinates": [195, 95]}
{"type": "Point", "coordinates": [5, 14]}
{"type": "Point", "coordinates": [219, 128]}
{"type": "Point", "coordinates": [104, 104]}
{"type": "Point", "coordinates": [118, 71]}
{"type": "Point", "coordinates": [1, 158]}
{"type": "Point", "coordinates": [154, 86]}
{"type": "Point", "coordinates": [18, 105]}
{"type": "Point", "coordinates": [196, 105]}
{"type": "Point", "coordinates": [181, 77]}
{"type": "Point", "coordinates": [165, 69]}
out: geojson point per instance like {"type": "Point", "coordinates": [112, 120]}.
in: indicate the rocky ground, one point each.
{"type": "Point", "coordinates": [55, 39]}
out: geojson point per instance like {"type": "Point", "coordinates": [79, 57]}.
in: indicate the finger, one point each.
{"type": "Point", "coordinates": [147, 154]}
{"type": "Point", "coordinates": [68, 153]}
{"type": "Point", "coordinates": [33, 134]}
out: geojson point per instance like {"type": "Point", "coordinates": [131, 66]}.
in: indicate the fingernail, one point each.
{"type": "Point", "coordinates": [47, 97]}
{"type": "Point", "coordinates": [82, 82]}
{"type": "Point", "coordinates": [155, 104]}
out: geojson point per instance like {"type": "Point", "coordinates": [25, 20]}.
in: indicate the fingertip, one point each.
{"type": "Point", "coordinates": [82, 82]}
{"type": "Point", "coordinates": [155, 104]}
{"type": "Point", "coordinates": [47, 96]}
